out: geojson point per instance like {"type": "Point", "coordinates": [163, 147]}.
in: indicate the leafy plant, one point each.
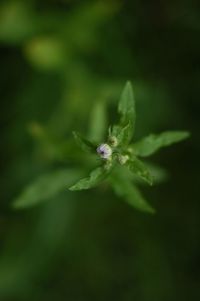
{"type": "Point", "coordinates": [119, 156]}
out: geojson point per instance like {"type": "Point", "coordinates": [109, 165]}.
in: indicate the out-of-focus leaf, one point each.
{"type": "Point", "coordinates": [138, 168]}
{"type": "Point", "coordinates": [152, 143]}
{"type": "Point", "coordinates": [130, 193]}
{"type": "Point", "coordinates": [126, 107]}
{"type": "Point", "coordinates": [45, 187]}
{"type": "Point", "coordinates": [83, 23]}
{"type": "Point", "coordinates": [98, 122]}
{"type": "Point", "coordinates": [158, 173]}
{"type": "Point", "coordinates": [46, 53]}
{"type": "Point", "coordinates": [17, 22]}
{"type": "Point", "coordinates": [84, 144]}
{"type": "Point", "coordinates": [95, 177]}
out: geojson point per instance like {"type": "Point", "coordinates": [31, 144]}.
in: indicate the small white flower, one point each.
{"type": "Point", "coordinates": [105, 151]}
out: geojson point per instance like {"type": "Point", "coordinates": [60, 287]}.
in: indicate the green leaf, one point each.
{"type": "Point", "coordinates": [83, 143]}
{"type": "Point", "coordinates": [130, 193]}
{"type": "Point", "coordinates": [115, 130]}
{"type": "Point", "coordinates": [159, 174]}
{"type": "Point", "coordinates": [152, 143]}
{"type": "Point", "coordinates": [95, 177]}
{"type": "Point", "coordinates": [138, 168]}
{"type": "Point", "coordinates": [46, 187]}
{"type": "Point", "coordinates": [126, 106]}
{"type": "Point", "coordinates": [98, 122]}
{"type": "Point", "coordinates": [124, 135]}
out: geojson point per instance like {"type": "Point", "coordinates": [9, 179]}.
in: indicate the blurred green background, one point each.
{"type": "Point", "coordinates": [58, 58]}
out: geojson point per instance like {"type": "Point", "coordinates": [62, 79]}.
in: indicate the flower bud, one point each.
{"type": "Point", "coordinates": [112, 140]}
{"type": "Point", "coordinates": [105, 151]}
{"type": "Point", "coordinates": [123, 159]}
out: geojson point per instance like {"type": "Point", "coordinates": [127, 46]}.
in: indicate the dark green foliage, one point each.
{"type": "Point", "coordinates": [63, 67]}
{"type": "Point", "coordinates": [49, 185]}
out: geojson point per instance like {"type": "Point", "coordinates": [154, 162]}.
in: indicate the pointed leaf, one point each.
{"type": "Point", "coordinates": [130, 193]}
{"type": "Point", "coordinates": [126, 106]}
{"type": "Point", "coordinates": [46, 187]}
{"type": "Point", "coordinates": [95, 177]}
{"type": "Point", "coordinates": [152, 143]}
{"type": "Point", "coordinates": [159, 174]}
{"type": "Point", "coordinates": [83, 143]}
{"type": "Point", "coordinates": [138, 168]}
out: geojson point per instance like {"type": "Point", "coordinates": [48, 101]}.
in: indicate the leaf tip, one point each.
{"type": "Point", "coordinates": [72, 188]}
{"type": "Point", "coordinates": [19, 204]}
{"type": "Point", "coordinates": [151, 182]}
{"type": "Point", "coordinates": [74, 133]}
{"type": "Point", "coordinates": [128, 87]}
{"type": "Point", "coordinates": [187, 134]}
{"type": "Point", "coordinates": [15, 206]}
{"type": "Point", "coordinates": [128, 84]}
{"type": "Point", "coordinates": [151, 210]}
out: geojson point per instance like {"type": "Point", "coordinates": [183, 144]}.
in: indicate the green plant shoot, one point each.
{"type": "Point", "coordinates": [119, 156]}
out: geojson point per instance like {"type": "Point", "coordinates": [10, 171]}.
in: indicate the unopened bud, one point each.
{"type": "Point", "coordinates": [123, 159]}
{"type": "Point", "coordinates": [112, 140]}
